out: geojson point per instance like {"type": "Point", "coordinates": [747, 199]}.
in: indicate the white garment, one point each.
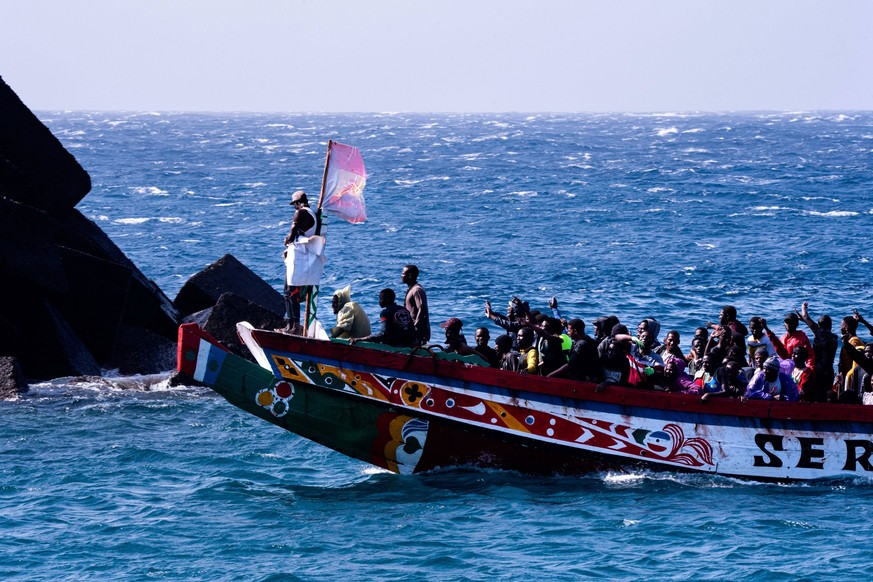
{"type": "Point", "coordinates": [304, 261]}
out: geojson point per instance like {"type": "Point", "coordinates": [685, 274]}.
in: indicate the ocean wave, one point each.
{"type": "Point", "coordinates": [131, 220]}
{"type": "Point", "coordinates": [149, 191]}
{"type": "Point", "coordinates": [831, 213]}
{"type": "Point", "coordinates": [667, 131]}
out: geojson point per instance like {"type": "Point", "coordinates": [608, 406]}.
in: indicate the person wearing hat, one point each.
{"type": "Point", "coordinates": [455, 340]}
{"type": "Point", "coordinates": [303, 224]}
{"type": "Point", "coordinates": [771, 383]}
{"type": "Point", "coordinates": [351, 320]}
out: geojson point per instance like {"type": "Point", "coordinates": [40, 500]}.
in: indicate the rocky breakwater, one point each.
{"type": "Point", "coordinates": [72, 303]}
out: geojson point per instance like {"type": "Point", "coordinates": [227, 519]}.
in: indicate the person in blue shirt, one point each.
{"type": "Point", "coordinates": [772, 383]}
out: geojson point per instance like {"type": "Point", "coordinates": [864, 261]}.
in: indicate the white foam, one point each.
{"type": "Point", "coordinates": [667, 131]}
{"type": "Point", "coordinates": [832, 213]}
{"type": "Point", "coordinates": [149, 191]}
{"type": "Point", "coordinates": [131, 220]}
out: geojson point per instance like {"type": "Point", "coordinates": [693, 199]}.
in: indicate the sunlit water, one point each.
{"type": "Point", "coordinates": [636, 215]}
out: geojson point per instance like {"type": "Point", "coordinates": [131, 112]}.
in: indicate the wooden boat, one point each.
{"type": "Point", "coordinates": [412, 412]}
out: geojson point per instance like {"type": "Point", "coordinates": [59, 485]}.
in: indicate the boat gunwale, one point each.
{"type": "Point", "coordinates": [398, 363]}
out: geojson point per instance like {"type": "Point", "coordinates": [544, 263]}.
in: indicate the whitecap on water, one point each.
{"type": "Point", "coordinates": [667, 131]}
{"type": "Point", "coordinates": [623, 478]}
{"type": "Point", "coordinates": [832, 213]}
{"type": "Point", "coordinates": [131, 220]}
{"type": "Point", "coordinates": [149, 191]}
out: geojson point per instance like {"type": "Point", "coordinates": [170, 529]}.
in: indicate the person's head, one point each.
{"type": "Point", "coordinates": [868, 350]}
{"type": "Point", "coordinates": [824, 322]}
{"type": "Point", "coordinates": [618, 328]}
{"type": "Point", "coordinates": [503, 344]}
{"type": "Point", "coordinates": [791, 321]}
{"type": "Point", "coordinates": [616, 348]}
{"type": "Point", "coordinates": [298, 199]}
{"type": "Point", "coordinates": [453, 327]}
{"type": "Point", "coordinates": [575, 328]}
{"type": "Point", "coordinates": [799, 355]}
{"type": "Point", "coordinates": [760, 356]}
{"type": "Point", "coordinates": [517, 309]}
{"type": "Point", "coordinates": [651, 325]}
{"type": "Point", "coordinates": [525, 337]}
{"type": "Point", "coordinates": [727, 315]}
{"type": "Point", "coordinates": [771, 368]}
{"type": "Point", "coordinates": [712, 360]}
{"type": "Point", "coordinates": [482, 336]}
{"type": "Point", "coordinates": [756, 327]}
{"type": "Point", "coordinates": [553, 326]}
{"type": "Point", "coordinates": [697, 344]}
{"type": "Point", "coordinates": [609, 323]}
{"type": "Point", "coordinates": [598, 326]}
{"type": "Point", "coordinates": [702, 332]}
{"type": "Point", "coordinates": [409, 274]}
{"type": "Point", "coordinates": [849, 325]}
{"type": "Point", "coordinates": [672, 340]}
{"type": "Point", "coordinates": [386, 297]}
{"type": "Point", "coordinates": [340, 298]}
{"type": "Point", "coordinates": [642, 326]}
{"type": "Point", "coordinates": [732, 369]}
{"type": "Point", "coordinates": [673, 366]}
{"type": "Point", "coordinates": [647, 339]}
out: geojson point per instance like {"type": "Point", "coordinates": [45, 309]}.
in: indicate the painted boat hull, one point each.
{"type": "Point", "coordinates": [411, 413]}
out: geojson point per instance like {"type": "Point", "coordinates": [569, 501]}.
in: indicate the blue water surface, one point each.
{"type": "Point", "coordinates": [671, 215]}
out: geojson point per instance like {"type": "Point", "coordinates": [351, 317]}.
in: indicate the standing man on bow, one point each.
{"type": "Point", "coordinates": [416, 304]}
{"type": "Point", "coordinates": [303, 224]}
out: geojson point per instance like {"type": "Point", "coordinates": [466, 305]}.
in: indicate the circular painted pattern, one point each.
{"type": "Point", "coordinates": [276, 399]}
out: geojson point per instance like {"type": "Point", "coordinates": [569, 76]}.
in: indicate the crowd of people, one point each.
{"type": "Point", "coordinates": [725, 359]}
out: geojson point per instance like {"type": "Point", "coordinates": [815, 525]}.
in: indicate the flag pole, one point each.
{"type": "Point", "coordinates": [317, 231]}
{"type": "Point", "coordinates": [323, 185]}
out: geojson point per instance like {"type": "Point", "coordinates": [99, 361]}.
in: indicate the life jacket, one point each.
{"type": "Point", "coordinates": [567, 346]}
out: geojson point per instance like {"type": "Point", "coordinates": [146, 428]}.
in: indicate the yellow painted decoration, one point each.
{"type": "Point", "coordinates": [288, 369]}
{"type": "Point", "coordinates": [506, 417]}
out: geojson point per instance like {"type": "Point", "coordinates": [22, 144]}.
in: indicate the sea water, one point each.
{"type": "Point", "coordinates": [664, 215]}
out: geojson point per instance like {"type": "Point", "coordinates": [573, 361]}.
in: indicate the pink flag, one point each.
{"type": "Point", "coordinates": [344, 183]}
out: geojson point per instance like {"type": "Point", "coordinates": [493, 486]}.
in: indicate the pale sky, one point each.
{"type": "Point", "coordinates": [438, 56]}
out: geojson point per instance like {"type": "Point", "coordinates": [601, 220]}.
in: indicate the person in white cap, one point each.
{"type": "Point", "coordinates": [303, 224]}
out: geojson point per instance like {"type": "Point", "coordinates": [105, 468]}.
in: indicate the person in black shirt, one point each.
{"type": "Point", "coordinates": [584, 363]}
{"type": "Point", "coordinates": [482, 336]}
{"type": "Point", "coordinates": [397, 329]}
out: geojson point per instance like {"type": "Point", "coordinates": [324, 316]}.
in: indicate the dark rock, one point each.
{"type": "Point", "coordinates": [72, 357]}
{"type": "Point", "coordinates": [34, 167]}
{"type": "Point", "coordinates": [231, 309]}
{"type": "Point", "coordinates": [12, 382]}
{"type": "Point", "coordinates": [140, 351]}
{"type": "Point", "coordinates": [72, 301]}
{"type": "Point", "coordinates": [225, 275]}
